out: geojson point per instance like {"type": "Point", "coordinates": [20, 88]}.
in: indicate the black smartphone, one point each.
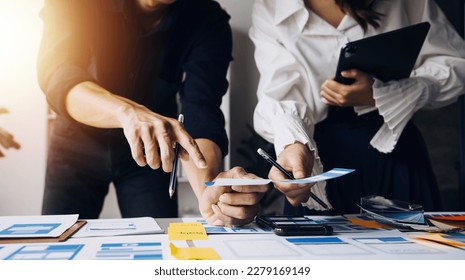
{"type": "Point", "coordinates": [293, 225]}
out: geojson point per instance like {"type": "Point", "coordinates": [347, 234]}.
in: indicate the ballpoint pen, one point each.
{"type": "Point", "coordinates": [268, 158]}
{"type": "Point", "coordinates": [172, 185]}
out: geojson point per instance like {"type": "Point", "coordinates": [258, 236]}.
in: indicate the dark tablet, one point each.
{"type": "Point", "coordinates": [386, 56]}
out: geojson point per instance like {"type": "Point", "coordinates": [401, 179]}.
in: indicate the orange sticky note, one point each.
{"type": "Point", "coordinates": [187, 231]}
{"type": "Point", "coordinates": [438, 237]}
{"type": "Point", "coordinates": [367, 223]}
{"type": "Point", "coordinates": [193, 253]}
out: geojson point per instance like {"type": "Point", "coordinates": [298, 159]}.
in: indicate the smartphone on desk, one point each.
{"type": "Point", "coordinates": [293, 225]}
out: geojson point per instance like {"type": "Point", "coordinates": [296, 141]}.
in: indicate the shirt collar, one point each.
{"type": "Point", "coordinates": [285, 9]}
{"type": "Point", "coordinates": [347, 23]}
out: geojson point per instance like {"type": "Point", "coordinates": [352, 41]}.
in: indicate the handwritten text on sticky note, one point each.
{"type": "Point", "coordinates": [187, 231]}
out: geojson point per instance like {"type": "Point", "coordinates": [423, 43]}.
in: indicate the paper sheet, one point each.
{"type": "Point", "coordinates": [115, 227]}
{"type": "Point", "coordinates": [385, 244]}
{"type": "Point", "coordinates": [126, 247]}
{"type": "Point", "coordinates": [35, 226]}
{"type": "Point", "coordinates": [251, 228]}
{"type": "Point", "coordinates": [333, 173]}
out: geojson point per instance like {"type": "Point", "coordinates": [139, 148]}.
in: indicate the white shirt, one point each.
{"type": "Point", "coordinates": [296, 51]}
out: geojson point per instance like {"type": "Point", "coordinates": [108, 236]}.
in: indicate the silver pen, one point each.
{"type": "Point", "coordinates": [173, 177]}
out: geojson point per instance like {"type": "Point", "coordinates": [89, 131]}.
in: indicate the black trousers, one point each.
{"type": "Point", "coordinates": [81, 164]}
{"type": "Point", "coordinates": [343, 140]}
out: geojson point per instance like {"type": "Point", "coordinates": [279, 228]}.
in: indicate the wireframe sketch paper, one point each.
{"type": "Point", "coordinates": [123, 226]}
{"type": "Point", "coordinates": [126, 247]}
{"type": "Point", "coordinates": [251, 228]}
{"type": "Point", "coordinates": [331, 174]}
{"type": "Point", "coordinates": [35, 226]}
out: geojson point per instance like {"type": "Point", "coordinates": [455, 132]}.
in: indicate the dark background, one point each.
{"type": "Point", "coordinates": [444, 131]}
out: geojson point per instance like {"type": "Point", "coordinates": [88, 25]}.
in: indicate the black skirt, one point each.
{"type": "Point", "coordinates": [343, 140]}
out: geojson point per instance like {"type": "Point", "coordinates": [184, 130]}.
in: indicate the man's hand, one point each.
{"type": "Point", "coordinates": [151, 136]}
{"type": "Point", "coordinates": [233, 205]}
{"type": "Point", "coordinates": [298, 159]}
{"type": "Point", "coordinates": [359, 93]}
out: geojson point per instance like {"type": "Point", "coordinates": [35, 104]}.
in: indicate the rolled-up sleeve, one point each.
{"type": "Point", "coordinates": [64, 55]}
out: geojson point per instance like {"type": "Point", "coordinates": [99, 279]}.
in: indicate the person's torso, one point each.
{"type": "Point", "coordinates": [316, 44]}
{"type": "Point", "coordinates": [130, 61]}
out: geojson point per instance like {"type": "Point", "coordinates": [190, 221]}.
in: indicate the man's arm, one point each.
{"type": "Point", "coordinates": [73, 93]}
{"type": "Point", "coordinates": [92, 105]}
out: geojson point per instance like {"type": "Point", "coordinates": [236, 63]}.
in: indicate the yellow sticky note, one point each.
{"type": "Point", "coordinates": [187, 231]}
{"type": "Point", "coordinates": [193, 253]}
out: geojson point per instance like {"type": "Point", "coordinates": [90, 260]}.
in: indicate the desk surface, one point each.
{"type": "Point", "coordinates": [244, 244]}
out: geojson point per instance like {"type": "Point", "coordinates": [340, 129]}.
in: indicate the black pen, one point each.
{"type": "Point", "coordinates": [289, 175]}
{"type": "Point", "coordinates": [172, 185]}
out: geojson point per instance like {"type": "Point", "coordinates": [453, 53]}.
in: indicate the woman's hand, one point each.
{"type": "Point", "coordinates": [298, 159]}
{"type": "Point", "coordinates": [359, 93]}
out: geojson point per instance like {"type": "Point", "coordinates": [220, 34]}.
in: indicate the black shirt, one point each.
{"type": "Point", "coordinates": [103, 41]}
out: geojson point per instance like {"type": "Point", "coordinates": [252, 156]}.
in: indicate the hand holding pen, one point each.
{"type": "Point", "coordinates": [173, 177]}
{"type": "Point", "coordinates": [269, 159]}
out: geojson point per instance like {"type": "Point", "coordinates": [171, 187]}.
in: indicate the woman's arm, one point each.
{"type": "Point", "coordinates": [286, 111]}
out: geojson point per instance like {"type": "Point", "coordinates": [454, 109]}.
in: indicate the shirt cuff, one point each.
{"type": "Point", "coordinates": [288, 129]}
{"type": "Point", "coordinates": [360, 110]}
{"type": "Point", "coordinates": [396, 101]}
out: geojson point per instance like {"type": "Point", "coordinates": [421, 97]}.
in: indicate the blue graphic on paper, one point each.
{"type": "Point", "coordinates": [315, 240]}
{"type": "Point", "coordinates": [130, 251]}
{"type": "Point", "coordinates": [46, 252]}
{"type": "Point", "coordinates": [383, 240]}
{"type": "Point", "coordinates": [28, 229]}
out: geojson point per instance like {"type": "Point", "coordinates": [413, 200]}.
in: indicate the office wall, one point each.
{"type": "Point", "coordinates": [244, 76]}
{"type": "Point", "coordinates": [21, 172]}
